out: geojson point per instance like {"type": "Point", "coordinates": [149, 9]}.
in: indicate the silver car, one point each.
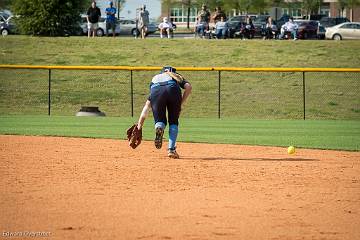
{"type": "Point", "coordinates": [129, 27]}
{"type": "Point", "coordinates": [347, 30]}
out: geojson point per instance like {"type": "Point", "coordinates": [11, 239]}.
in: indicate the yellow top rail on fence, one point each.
{"type": "Point", "coordinates": [144, 68]}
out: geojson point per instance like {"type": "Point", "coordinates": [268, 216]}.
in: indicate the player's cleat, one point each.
{"type": "Point", "coordinates": [159, 137]}
{"type": "Point", "coordinates": [173, 154]}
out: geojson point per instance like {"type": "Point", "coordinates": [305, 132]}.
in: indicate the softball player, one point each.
{"type": "Point", "coordinates": [165, 95]}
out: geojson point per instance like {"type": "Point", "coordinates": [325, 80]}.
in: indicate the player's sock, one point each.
{"type": "Point", "coordinates": [160, 125]}
{"type": "Point", "coordinates": [173, 132]}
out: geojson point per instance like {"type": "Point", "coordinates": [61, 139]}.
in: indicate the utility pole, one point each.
{"type": "Point", "coordinates": [188, 14]}
{"type": "Point", "coordinates": [118, 9]}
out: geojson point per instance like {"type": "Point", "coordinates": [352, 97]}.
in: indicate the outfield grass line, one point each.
{"type": "Point", "coordinates": [317, 134]}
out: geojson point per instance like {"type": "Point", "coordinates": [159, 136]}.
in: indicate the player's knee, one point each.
{"type": "Point", "coordinates": [173, 122]}
{"type": "Point", "coordinates": [173, 127]}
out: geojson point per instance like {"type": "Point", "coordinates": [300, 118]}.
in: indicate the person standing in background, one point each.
{"type": "Point", "coordinates": [143, 21]}
{"type": "Point", "coordinates": [93, 16]}
{"type": "Point", "coordinates": [110, 19]}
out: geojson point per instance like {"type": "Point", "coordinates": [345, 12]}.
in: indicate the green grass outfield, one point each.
{"type": "Point", "coordinates": [243, 95]}
{"type": "Point", "coordinates": [322, 134]}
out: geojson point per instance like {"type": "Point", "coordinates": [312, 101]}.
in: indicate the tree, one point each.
{"type": "Point", "coordinates": [351, 4]}
{"type": "Point", "coordinates": [167, 4]}
{"type": "Point", "coordinates": [259, 6]}
{"type": "Point", "coordinates": [4, 4]}
{"type": "Point", "coordinates": [120, 6]}
{"type": "Point", "coordinates": [48, 17]}
{"type": "Point", "coordinates": [311, 6]}
{"type": "Point", "coordinates": [342, 5]}
{"type": "Point", "coordinates": [230, 5]}
{"type": "Point", "coordinates": [187, 3]}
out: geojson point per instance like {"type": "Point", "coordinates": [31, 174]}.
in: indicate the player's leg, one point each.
{"type": "Point", "coordinates": [174, 108]}
{"type": "Point", "coordinates": [158, 105]}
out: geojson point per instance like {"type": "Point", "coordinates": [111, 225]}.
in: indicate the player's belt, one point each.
{"type": "Point", "coordinates": [170, 82]}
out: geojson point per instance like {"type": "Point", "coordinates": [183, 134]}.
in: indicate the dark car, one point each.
{"type": "Point", "coordinates": [321, 32]}
{"type": "Point", "coordinates": [307, 29]}
{"type": "Point", "coordinates": [242, 30]}
{"type": "Point", "coordinates": [282, 21]}
{"type": "Point", "coordinates": [235, 23]}
{"type": "Point", "coordinates": [259, 24]}
{"type": "Point", "coordinates": [6, 25]}
{"type": "Point", "coordinates": [329, 21]}
{"type": "Point", "coordinates": [316, 17]}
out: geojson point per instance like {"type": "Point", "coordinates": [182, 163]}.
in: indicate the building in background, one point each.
{"type": "Point", "coordinates": [178, 11]}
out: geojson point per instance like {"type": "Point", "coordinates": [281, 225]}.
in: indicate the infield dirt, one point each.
{"type": "Point", "coordinates": [76, 188]}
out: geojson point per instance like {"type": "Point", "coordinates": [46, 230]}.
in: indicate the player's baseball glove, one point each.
{"type": "Point", "coordinates": [134, 136]}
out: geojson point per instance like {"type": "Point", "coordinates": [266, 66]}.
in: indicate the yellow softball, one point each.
{"type": "Point", "coordinates": [291, 150]}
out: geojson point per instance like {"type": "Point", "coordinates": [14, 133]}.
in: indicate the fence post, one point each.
{"type": "Point", "coordinates": [131, 93]}
{"type": "Point", "coordinates": [219, 94]}
{"type": "Point", "coordinates": [49, 94]}
{"type": "Point", "coordinates": [304, 96]}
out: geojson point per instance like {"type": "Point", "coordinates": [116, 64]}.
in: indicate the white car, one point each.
{"type": "Point", "coordinates": [347, 30]}
{"type": "Point", "coordinates": [123, 27]}
{"type": "Point", "coordinates": [128, 27]}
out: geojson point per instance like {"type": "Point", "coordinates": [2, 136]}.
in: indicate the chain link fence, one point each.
{"type": "Point", "coordinates": [216, 93]}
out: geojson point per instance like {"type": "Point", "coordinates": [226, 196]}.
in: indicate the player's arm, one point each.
{"type": "Point", "coordinates": [188, 89]}
{"type": "Point", "coordinates": [144, 114]}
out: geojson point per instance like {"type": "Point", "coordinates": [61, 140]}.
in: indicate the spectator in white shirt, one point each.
{"type": "Point", "coordinates": [166, 28]}
{"type": "Point", "coordinates": [289, 26]}
{"type": "Point", "coordinates": [221, 28]}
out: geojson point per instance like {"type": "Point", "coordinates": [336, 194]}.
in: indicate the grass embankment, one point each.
{"type": "Point", "coordinates": [177, 52]}
{"type": "Point", "coordinates": [243, 95]}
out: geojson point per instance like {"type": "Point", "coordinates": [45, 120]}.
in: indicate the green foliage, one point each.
{"type": "Point", "coordinates": [48, 17]}
{"type": "Point", "coordinates": [311, 6]}
{"type": "Point", "coordinates": [4, 4]}
{"type": "Point", "coordinates": [352, 3]}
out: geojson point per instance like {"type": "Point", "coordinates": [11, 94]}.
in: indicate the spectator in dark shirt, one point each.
{"type": "Point", "coordinates": [93, 16]}
{"type": "Point", "coordinates": [218, 14]}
